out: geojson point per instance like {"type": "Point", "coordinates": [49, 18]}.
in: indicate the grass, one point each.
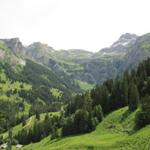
{"type": "Point", "coordinates": [70, 66]}
{"type": "Point", "coordinates": [56, 92]}
{"type": "Point", "coordinates": [3, 46]}
{"type": "Point", "coordinates": [115, 132]}
{"type": "Point", "coordinates": [84, 85]}
{"type": "Point", "coordinates": [7, 85]}
{"type": "Point", "coordinates": [145, 46]}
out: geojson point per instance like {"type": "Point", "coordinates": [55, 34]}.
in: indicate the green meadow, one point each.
{"type": "Point", "coordinates": [115, 132]}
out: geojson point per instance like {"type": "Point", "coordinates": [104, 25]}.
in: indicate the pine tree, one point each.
{"type": "Point", "coordinates": [98, 113]}
{"type": "Point", "coordinates": [81, 119]}
{"type": "Point", "coordinates": [46, 117]}
{"type": "Point", "coordinates": [23, 121]}
{"type": "Point", "coordinates": [133, 97]}
{"type": "Point", "coordinates": [124, 94]}
{"type": "Point", "coordinates": [10, 139]}
{"type": "Point", "coordinates": [143, 117]}
{"type": "Point", "coordinates": [36, 132]}
{"type": "Point", "coordinates": [37, 115]}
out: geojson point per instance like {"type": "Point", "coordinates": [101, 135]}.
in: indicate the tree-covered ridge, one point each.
{"type": "Point", "coordinates": [27, 90]}
{"type": "Point", "coordinates": [132, 89]}
{"type": "Point", "coordinates": [18, 68]}
{"type": "Point", "coordinates": [85, 111]}
{"type": "Point", "coordinates": [42, 80]}
{"type": "Point", "coordinates": [11, 101]}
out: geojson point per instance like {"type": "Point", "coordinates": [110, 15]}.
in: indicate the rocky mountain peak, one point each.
{"type": "Point", "coordinates": [125, 40]}
{"type": "Point", "coordinates": [15, 45]}
{"type": "Point", "coordinates": [128, 36]}
{"type": "Point", "coordinates": [38, 46]}
{"type": "Point", "coordinates": [122, 44]}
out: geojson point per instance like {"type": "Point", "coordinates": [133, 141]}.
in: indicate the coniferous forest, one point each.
{"type": "Point", "coordinates": [55, 102]}
{"type": "Point", "coordinates": [83, 112]}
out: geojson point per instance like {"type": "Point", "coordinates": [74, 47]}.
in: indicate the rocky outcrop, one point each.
{"type": "Point", "coordinates": [15, 45]}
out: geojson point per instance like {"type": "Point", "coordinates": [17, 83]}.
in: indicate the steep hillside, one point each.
{"type": "Point", "coordinates": [126, 128]}
{"type": "Point", "coordinates": [115, 132]}
{"type": "Point", "coordinates": [17, 67]}
{"type": "Point", "coordinates": [137, 52]}
{"type": "Point", "coordinates": [62, 62]}
{"type": "Point", "coordinates": [36, 87]}
{"type": "Point", "coordinates": [27, 87]}
{"type": "Point", "coordinates": [13, 105]}
{"type": "Point", "coordinates": [8, 56]}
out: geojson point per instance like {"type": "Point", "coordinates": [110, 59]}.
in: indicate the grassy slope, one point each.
{"type": "Point", "coordinates": [56, 92]}
{"type": "Point", "coordinates": [84, 85]}
{"type": "Point", "coordinates": [29, 123]}
{"type": "Point", "coordinates": [114, 133]}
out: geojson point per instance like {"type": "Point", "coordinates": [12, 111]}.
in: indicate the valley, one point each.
{"type": "Point", "coordinates": [75, 99]}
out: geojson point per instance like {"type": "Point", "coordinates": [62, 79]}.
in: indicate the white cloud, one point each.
{"type": "Point", "coordinates": [85, 24]}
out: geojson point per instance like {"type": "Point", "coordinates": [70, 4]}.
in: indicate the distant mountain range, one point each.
{"type": "Point", "coordinates": [80, 66]}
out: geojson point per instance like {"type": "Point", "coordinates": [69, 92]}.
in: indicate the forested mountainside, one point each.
{"type": "Point", "coordinates": [93, 110]}
{"type": "Point", "coordinates": [84, 112]}
{"type": "Point", "coordinates": [27, 88]}
{"type": "Point", "coordinates": [43, 91]}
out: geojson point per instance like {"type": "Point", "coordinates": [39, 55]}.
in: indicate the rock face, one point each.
{"type": "Point", "coordinates": [38, 50]}
{"type": "Point", "coordinates": [126, 40]}
{"type": "Point", "coordinates": [138, 52]}
{"type": "Point", "coordinates": [122, 44]}
{"type": "Point", "coordinates": [15, 45]}
{"type": "Point", "coordinates": [76, 64]}
{"type": "Point", "coordinates": [11, 51]}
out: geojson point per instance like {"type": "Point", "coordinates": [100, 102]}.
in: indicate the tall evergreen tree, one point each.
{"type": "Point", "coordinates": [133, 97]}
{"type": "Point", "coordinates": [98, 113]}
{"type": "Point", "coordinates": [37, 115]}
{"type": "Point", "coordinates": [143, 117]}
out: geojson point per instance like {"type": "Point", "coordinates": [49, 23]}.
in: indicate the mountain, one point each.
{"type": "Point", "coordinates": [83, 68]}
{"type": "Point", "coordinates": [38, 79]}
{"type": "Point", "coordinates": [137, 52]}
{"type": "Point", "coordinates": [9, 55]}
{"type": "Point", "coordinates": [27, 87]}
{"type": "Point", "coordinates": [117, 112]}
{"type": "Point", "coordinates": [17, 67]}
{"type": "Point", "coordinates": [15, 45]}
{"type": "Point", "coordinates": [122, 44]}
